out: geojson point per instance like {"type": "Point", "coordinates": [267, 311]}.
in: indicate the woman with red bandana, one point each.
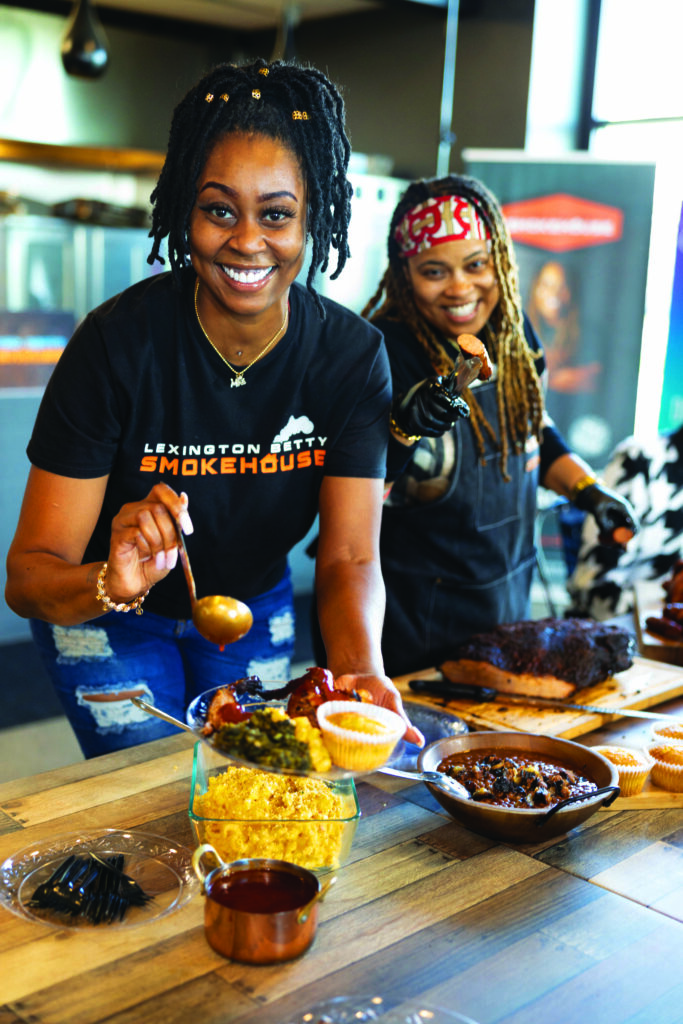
{"type": "Point", "coordinates": [468, 449]}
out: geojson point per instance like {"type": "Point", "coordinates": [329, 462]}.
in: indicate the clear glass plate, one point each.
{"type": "Point", "coordinates": [433, 724]}
{"type": "Point", "coordinates": [162, 868]}
{"type": "Point", "coordinates": [358, 1009]}
{"type": "Point", "coordinates": [197, 712]}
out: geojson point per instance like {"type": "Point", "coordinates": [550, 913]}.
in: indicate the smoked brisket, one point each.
{"type": "Point", "coordinates": [573, 652]}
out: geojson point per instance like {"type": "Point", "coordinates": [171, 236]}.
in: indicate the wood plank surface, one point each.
{"type": "Point", "coordinates": [583, 927]}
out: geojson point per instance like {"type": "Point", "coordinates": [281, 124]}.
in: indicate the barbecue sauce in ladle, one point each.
{"type": "Point", "coordinates": [222, 620]}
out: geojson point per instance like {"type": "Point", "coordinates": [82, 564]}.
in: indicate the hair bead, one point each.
{"type": "Point", "coordinates": [264, 71]}
{"type": "Point", "coordinates": [256, 94]}
{"type": "Point", "coordinates": [209, 97]}
{"type": "Point", "coordinates": [225, 96]}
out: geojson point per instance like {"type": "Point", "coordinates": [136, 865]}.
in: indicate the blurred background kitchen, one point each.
{"type": "Point", "coordinates": [570, 110]}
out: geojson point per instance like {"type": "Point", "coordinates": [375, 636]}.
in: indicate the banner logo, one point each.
{"type": "Point", "coordinates": [562, 222]}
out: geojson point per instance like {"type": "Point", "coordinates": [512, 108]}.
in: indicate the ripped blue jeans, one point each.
{"type": "Point", "coordinates": [97, 666]}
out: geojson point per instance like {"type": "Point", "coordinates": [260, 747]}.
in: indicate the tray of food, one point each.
{"type": "Point", "coordinates": [659, 617]}
{"type": "Point", "coordinates": [650, 768]}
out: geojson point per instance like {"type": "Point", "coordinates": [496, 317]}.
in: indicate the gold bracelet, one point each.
{"type": "Point", "coordinates": [413, 438]}
{"type": "Point", "coordinates": [107, 601]}
{"type": "Point", "coordinates": [585, 481]}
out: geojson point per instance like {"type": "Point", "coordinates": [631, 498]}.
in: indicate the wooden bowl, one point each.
{"type": "Point", "coordinates": [523, 825]}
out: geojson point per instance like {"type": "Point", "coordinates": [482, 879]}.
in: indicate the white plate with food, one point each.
{"type": "Point", "coordinates": [433, 724]}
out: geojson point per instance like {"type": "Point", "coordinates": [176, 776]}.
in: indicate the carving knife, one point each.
{"type": "Point", "coordinates": [486, 694]}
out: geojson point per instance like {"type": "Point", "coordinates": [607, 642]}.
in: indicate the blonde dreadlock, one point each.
{"type": "Point", "coordinates": [518, 390]}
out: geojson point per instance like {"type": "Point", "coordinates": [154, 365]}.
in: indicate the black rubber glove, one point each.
{"type": "Point", "coordinates": [432, 406]}
{"type": "Point", "coordinates": [612, 513]}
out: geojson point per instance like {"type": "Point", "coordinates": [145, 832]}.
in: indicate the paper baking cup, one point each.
{"type": "Point", "coordinates": [666, 732]}
{"type": "Point", "coordinates": [354, 749]}
{"type": "Point", "coordinates": [667, 765]}
{"type": "Point", "coordinates": [632, 764]}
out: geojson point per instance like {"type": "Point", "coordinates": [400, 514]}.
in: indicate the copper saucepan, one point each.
{"type": "Point", "coordinates": [259, 910]}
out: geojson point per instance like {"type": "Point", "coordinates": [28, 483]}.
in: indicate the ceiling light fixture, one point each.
{"type": "Point", "coordinates": [84, 43]}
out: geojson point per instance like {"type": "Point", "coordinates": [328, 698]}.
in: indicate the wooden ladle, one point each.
{"type": "Point", "coordinates": [222, 620]}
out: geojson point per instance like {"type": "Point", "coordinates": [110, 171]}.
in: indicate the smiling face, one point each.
{"type": "Point", "coordinates": [248, 230]}
{"type": "Point", "coordinates": [454, 286]}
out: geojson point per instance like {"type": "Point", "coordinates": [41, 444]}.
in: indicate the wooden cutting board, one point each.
{"type": "Point", "coordinates": [644, 685]}
{"type": "Point", "coordinates": [649, 600]}
{"type": "Point", "coordinates": [652, 798]}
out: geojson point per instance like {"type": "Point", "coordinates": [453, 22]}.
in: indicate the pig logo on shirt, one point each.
{"type": "Point", "coordinates": [296, 425]}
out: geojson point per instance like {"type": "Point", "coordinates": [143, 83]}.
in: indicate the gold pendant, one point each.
{"type": "Point", "coordinates": [237, 381]}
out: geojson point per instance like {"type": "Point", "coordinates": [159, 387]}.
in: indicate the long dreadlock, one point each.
{"type": "Point", "coordinates": [518, 392]}
{"type": "Point", "coordinates": [298, 107]}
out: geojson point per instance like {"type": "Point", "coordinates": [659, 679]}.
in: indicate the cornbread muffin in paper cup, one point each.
{"type": "Point", "coordinates": [667, 765]}
{"type": "Point", "coordinates": [667, 732]}
{"type": "Point", "coordinates": [632, 764]}
{"type": "Point", "coordinates": [359, 736]}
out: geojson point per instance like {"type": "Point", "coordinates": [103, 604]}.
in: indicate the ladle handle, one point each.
{"type": "Point", "coordinates": [185, 562]}
{"type": "Point", "coordinates": [306, 909]}
{"type": "Point", "coordinates": [413, 776]}
{"type": "Point", "coordinates": [435, 778]}
{"type": "Point", "coordinates": [151, 710]}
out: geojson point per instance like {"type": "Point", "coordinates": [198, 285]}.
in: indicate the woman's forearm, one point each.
{"type": "Point", "coordinates": [351, 600]}
{"type": "Point", "coordinates": [564, 473]}
{"type": "Point", "coordinates": [43, 586]}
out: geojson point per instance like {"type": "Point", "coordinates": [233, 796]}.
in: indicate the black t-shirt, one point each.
{"type": "Point", "coordinates": [140, 395]}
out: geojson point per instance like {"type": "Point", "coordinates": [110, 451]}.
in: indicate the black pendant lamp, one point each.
{"type": "Point", "coordinates": [84, 43]}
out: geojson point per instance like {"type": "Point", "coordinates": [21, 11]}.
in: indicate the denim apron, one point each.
{"type": "Point", "coordinates": [462, 563]}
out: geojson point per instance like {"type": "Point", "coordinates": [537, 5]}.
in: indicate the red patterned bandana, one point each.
{"type": "Point", "coordinates": [440, 219]}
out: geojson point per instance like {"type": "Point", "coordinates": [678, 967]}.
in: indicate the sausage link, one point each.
{"type": "Point", "coordinates": [471, 346]}
{"type": "Point", "coordinates": [664, 627]}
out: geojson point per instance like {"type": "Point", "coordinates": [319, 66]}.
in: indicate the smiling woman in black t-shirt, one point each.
{"type": "Point", "coordinates": [222, 397]}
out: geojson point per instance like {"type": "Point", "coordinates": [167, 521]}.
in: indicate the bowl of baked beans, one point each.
{"type": "Point", "coordinates": [521, 787]}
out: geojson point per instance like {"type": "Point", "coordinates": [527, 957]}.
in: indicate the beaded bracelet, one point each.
{"type": "Point", "coordinates": [413, 438]}
{"type": "Point", "coordinates": [107, 601]}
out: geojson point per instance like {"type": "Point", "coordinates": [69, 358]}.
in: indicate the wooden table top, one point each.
{"type": "Point", "coordinates": [587, 927]}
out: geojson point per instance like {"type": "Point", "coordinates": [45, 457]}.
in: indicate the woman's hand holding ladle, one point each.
{"type": "Point", "coordinates": [222, 620]}
{"type": "Point", "coordinates": [146, 538]}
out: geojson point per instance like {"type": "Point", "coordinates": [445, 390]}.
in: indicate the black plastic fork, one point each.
{"type": "Point", "coordinates": [90, 887]}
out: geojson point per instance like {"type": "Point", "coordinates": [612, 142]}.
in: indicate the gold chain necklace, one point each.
{"type": "Point", "coordinates": [239, 380]}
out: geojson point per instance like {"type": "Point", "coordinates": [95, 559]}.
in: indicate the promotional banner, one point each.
{"type": "Point", "coordinates": [581, 230]}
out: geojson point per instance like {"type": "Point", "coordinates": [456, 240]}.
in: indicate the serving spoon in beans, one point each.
{"type": "Point", "coordinates": [222, 620]}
